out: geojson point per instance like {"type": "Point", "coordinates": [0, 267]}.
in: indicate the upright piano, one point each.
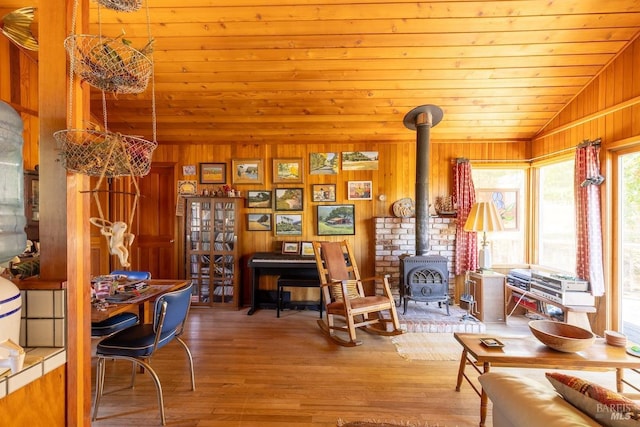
{"type": "Point", "coordinates": [278, 264]}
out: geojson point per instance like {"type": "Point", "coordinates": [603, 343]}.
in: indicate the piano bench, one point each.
{"type": "Point", "coordinates": [295, 282]}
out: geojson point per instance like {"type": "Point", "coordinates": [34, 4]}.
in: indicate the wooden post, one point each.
{"type": "Point", "coordinates": [64, 209]}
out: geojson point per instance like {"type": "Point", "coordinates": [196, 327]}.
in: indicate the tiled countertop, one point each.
{"type": "Point", "coordinates": [37, 363]}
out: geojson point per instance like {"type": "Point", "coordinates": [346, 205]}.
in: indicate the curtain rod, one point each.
{"type": "Point", "coordinates": [583, 144]}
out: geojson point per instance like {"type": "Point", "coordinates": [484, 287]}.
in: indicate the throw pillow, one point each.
{"type": "Point", "coordinates": [605, 406]}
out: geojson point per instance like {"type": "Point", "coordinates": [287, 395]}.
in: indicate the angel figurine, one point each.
{"type": "Point", "coordinates": [117, 236]}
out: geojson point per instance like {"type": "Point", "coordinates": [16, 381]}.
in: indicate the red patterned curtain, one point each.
{"type": "Point", "coordinates": [464, 196]}
{"type": "Point", "coordinates": [588, 219]}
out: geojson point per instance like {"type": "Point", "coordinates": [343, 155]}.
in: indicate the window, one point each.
{"type": "Point", "coordinates": [629, 244]}
{"type": "Point", "coordinates": [556, 213]}
{"type": "Point", "coordinates": [507, 247]}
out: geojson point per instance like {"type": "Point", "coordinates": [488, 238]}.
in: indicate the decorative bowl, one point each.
{"type": "Point", "coordinates": [561, 336]}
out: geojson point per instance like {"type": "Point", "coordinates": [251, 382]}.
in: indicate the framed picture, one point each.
{"type": "Point", "coordinates": [259, 222]}
{"type": "Point", "coordinates": [324, 192]}
{"type": "Point", "coordinates": [259, 199]}
{"type": "Point", "coordinates": [306, 249]}
{"type": "Point", "coordinates": [288, 199]}
{"type": "Point", "coordinates": [336, 220]}
{"type": "Point", "coordinates": [291, 248]}
{"type": "Point", "coordinates": [288, 224]}
{"type": "Point", "coordinates": [189, 170]}
{"type": "Point", "coordinates": [213, 173]}
{"type": "Point", "coordinates": [359, 190]}
{"type": "Point", "coordinates": [359, 160]}
{"type": "Point", "coordinates": [187, 187]}
{"type": "Point", "coordinates": [323, 163]}
{"type": "Point", "coordinates": [247, 171]}
{"type": "Point", "coordinates": [506, 200]}
{"type": "Point", "coordinates": [288, 170]}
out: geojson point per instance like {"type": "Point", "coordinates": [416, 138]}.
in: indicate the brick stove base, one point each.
{"type": "Point", "coordinates": [396, 236]}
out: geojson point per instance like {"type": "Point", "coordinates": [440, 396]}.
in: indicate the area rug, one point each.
{"type": "Point", "coordinates": [427, 346]}
{"type": "Point", "coordinates": [430, 317]}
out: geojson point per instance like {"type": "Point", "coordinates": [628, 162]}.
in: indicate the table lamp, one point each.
{"type": "Point", "coordinates": [484, 217]}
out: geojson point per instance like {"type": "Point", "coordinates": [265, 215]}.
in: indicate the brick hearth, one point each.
{"type": "Point", "coordinates": [396, 236]}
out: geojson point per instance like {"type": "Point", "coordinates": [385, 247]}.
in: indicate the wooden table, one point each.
{"type": "Point", "coordinates": [528, 352]}
{"type": "Point", "coordinates": [142, 304]}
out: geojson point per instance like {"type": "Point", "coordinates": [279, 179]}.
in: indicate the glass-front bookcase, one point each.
{"type": "Point", "coordinates": [212, 260]}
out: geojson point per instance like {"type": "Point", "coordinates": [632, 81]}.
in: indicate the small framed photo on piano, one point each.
{"type": "Point", "coordinates": [291, 248]}
{"type": "Point", "coordinates": [306, 249]}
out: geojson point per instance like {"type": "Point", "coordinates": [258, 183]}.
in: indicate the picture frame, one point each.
{"type": "Point", "coordinates": [259, 199]}
{"type": "Point", "coordinates": [335, 220]}
{"type": "Point", "coordinates": [247, 171]}
{"type": "Point", "coordinates": [323, 192]}
{"type": "Point", "coordinates": [213, 173]}
{"type": "Point", "coordinates": [323, 163]}
{"type": "Point", "coordinates": [189, 170]}
{"type": "Point", "coordinates": [289, 199]}
{"type": "Point", "coordinates": [359, 190]}
{"type": "Point", "coordinates": [288, 170]}
{"type": "Point", "coordinates": [259, 222]}
{"type": "Point", "coordinates": [507, 201]}
{"type": "Point", "coordinates": [359, 160]}
{"type": "Point", "coordinates": [291, 248]}
{"type": "Point", "coordinates": [288, 224]}
{"type": "Point", "coordinates": [187, 187]}
{"type": "Point", "coordinates": [306, 249]}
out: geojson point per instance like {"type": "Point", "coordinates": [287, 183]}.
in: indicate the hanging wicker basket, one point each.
{"type": "Point", "coordinates": [121, 5]}
{"type": "Point", "coordinates": [109, 64]}
{"type": "Point", "coordinates": [104, 154]}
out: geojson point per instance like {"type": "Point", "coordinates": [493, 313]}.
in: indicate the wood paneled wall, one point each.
{"type": "Point", "coordinates": [19, 88]}
{"type": "Point", "coordinates": [395, 178]}
{"type": "Point", "coordinates": [607, 108]}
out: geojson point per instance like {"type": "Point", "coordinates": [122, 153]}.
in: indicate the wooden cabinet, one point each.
{"type": "Point", "coordinates": [211, 250]}
{"type": "Point", "coordinates": [487, 288]}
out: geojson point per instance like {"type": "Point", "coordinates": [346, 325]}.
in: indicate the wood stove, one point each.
{"type": "Point", "coordinates": [424, 279]}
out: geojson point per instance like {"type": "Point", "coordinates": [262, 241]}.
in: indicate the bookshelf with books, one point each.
{"type": "Point", "coordinates": [211, 250]}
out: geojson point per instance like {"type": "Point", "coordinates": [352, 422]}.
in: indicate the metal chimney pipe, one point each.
{"type": "Point", "coordinates": [422, 119]}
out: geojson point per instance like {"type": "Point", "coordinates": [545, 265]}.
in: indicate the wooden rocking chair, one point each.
{"type": "Point", "coordinates": [339, 276]}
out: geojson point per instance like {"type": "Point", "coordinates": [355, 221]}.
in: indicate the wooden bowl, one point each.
{"type": "Point", "coordinates": [561, 336]}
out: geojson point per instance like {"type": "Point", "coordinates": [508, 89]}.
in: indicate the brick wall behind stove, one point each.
{"type": "Point", "coordinates": [396, 236]}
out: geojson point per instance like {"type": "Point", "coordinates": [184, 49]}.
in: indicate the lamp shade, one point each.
{"type": "Point", "coordinates": [484, 216]}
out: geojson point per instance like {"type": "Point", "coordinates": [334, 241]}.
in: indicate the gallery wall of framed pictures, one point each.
{"type": "Point", "coordinates": [277, 204]}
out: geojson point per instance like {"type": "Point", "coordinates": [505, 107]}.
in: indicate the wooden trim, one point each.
{"type": "Point", "coordinates": [601, 113]}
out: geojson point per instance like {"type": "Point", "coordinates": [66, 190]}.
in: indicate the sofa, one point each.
{"type": "Point", "coordinates": [563, 401]}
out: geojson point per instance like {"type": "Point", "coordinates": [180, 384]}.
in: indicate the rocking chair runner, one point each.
{"type": "Point", "coordinates": [344, 296]}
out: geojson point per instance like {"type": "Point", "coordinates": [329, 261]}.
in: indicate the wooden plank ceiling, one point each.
{"type": "Point", "coordinates": [308, 71]}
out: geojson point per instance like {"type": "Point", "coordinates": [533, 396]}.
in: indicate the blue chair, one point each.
{"type": "Point", "coordinates": [120, 321]}
{"type": "Point", "coordinates": [138, 343]}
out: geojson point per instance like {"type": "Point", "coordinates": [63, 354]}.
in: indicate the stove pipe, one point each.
{"type": "Point", "coordinates": [422, 119]}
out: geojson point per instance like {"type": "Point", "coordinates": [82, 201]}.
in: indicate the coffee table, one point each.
{"type": "Point", "coordinates": [528, 352]}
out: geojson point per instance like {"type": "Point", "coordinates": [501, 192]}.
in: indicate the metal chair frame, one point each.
{"type": "Point", "coordinates": [143, 361]}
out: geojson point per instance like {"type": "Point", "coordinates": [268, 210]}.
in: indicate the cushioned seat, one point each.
{"type": "Point", "coordinates": [113, 324]}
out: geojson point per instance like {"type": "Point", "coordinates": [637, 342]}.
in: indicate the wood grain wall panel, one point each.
{"type": "Point", "coordinates": [395, 178]}
{"type": "Point", "coordinates": [615, 85]}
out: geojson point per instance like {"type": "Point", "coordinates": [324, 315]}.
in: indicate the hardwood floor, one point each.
{"type": "Point", "coordinates": [255, 371]}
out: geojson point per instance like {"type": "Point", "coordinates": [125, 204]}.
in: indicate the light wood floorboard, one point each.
{"type": "Point", "coordinates": [255, 371]}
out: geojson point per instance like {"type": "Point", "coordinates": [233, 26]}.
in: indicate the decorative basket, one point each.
{"type": "Point", "coordinates": [108, 154]}
{"type": "Point", "coordinates": [121, 5]}
{"type": "Point", "coordinates": [109, 64]}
